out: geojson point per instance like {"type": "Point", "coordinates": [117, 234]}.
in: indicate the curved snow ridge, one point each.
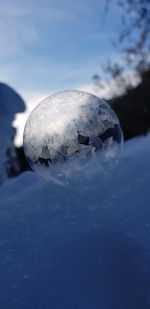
{"type": "Point", "coordinates": [14, 187]}
{"type": "Point", "coordinates": [132, 169]}
{"type": "Point", "coordinates": [85, 245]}
{"type": "Point", "coordinates": [137, 145]}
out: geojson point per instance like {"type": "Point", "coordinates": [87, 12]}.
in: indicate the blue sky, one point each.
{"type": "Point", "coordinates": [47, 46]}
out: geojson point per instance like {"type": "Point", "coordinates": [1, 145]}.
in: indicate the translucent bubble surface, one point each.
{"type": "Point", "coordinates": [71, 131]}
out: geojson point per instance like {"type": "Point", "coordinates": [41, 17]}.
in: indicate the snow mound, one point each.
{"type": "Point", "coordinates": [10, 104]}
{"type": "Point", "coordinates": [86, 245]}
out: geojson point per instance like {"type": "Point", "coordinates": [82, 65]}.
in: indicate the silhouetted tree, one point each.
{"type": "Point", "coordinates": [133, 41]}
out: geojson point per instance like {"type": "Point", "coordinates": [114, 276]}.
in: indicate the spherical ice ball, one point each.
{"type": "Point", "coordinates": [71, 131]}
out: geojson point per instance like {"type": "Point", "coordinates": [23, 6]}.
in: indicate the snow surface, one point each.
{"type": "Point", "coordinates": [86, 245]}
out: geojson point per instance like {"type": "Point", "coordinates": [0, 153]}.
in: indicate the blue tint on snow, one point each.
{"type": "Point", "coordinates": [86, 245]}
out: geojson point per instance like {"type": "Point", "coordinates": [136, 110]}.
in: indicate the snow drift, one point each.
{"type": "Point", "coordinates": [86, 245]}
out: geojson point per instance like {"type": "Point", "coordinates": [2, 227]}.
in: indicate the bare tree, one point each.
{"type": "Point", "coordinates": [133, 42]}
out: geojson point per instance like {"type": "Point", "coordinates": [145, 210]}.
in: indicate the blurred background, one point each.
{"type": "Point", "coordinates": [47, 46]}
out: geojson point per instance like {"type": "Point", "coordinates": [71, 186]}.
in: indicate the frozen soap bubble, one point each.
{"type": "Point", "coordinates": [71, 131]}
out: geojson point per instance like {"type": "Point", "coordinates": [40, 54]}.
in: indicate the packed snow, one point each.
{"type": "Point", "coordinates": [82, 246]}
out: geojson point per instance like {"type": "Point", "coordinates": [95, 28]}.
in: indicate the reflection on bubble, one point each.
{"type": "Point", "coordinates": [69, 132]}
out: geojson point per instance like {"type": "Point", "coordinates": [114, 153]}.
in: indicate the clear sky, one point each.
{"type": "Point", "coordinates": [52, 45]}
